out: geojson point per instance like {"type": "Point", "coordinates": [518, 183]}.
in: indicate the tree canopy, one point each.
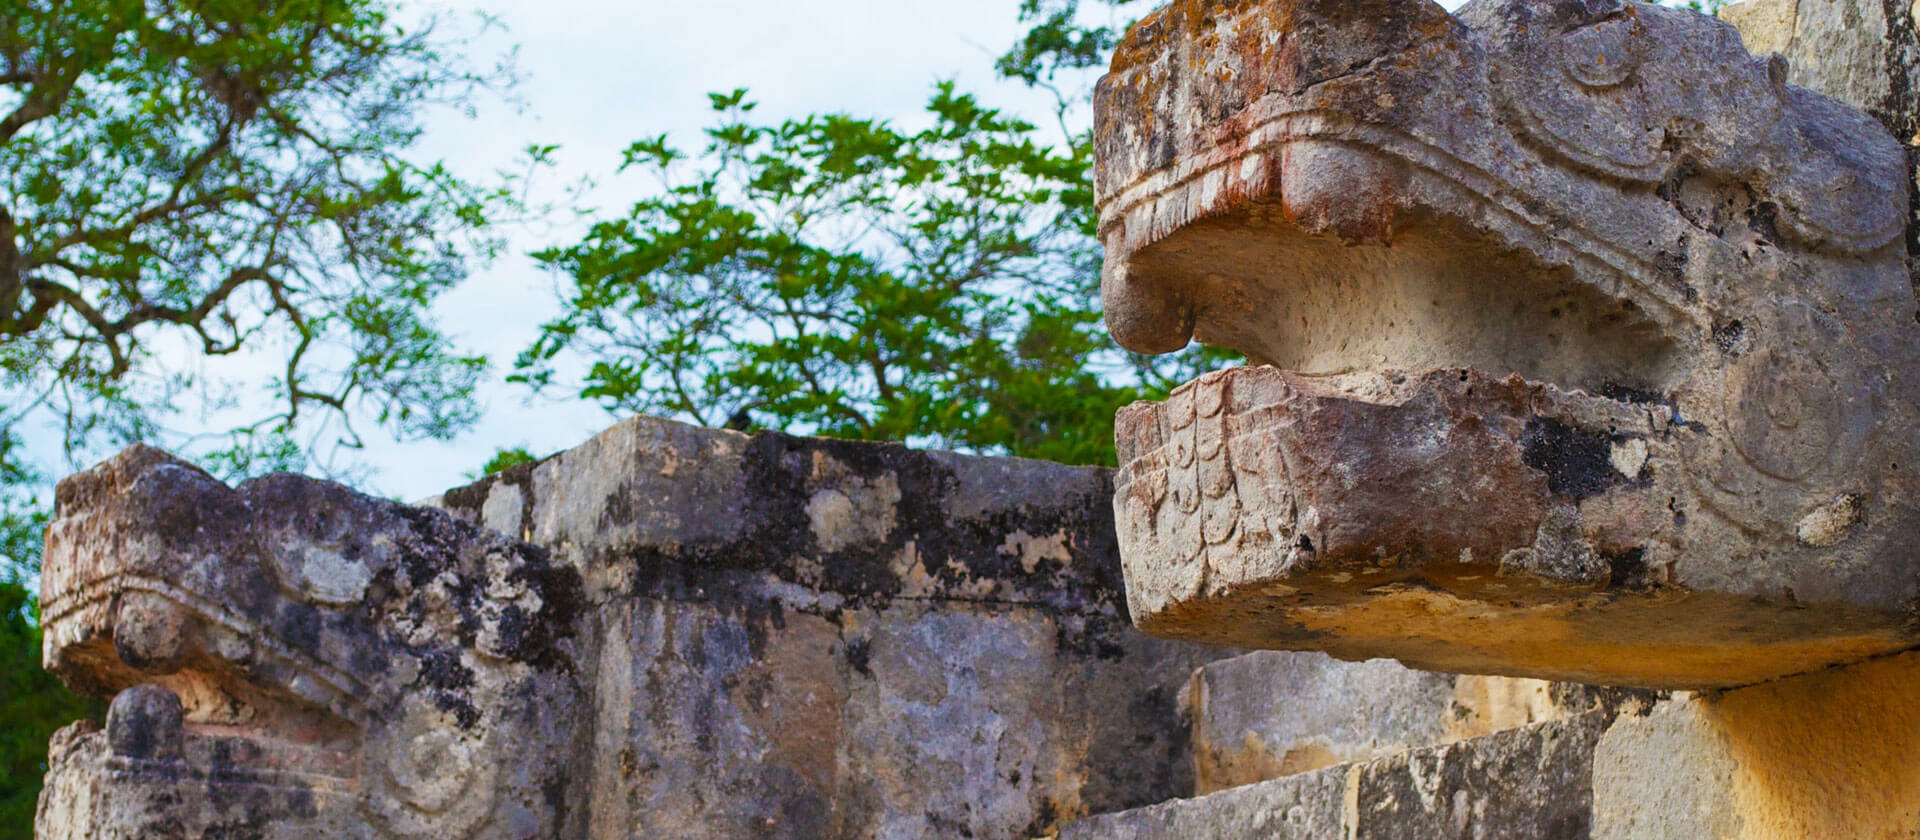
{"type": "Point", "coordinates": [184, 179]}
{"type": "Point", "coordinates": [848, 277]}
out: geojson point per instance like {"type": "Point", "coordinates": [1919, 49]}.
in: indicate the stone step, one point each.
{"type": "Point", "coordinates": [1533, 783]}
{"type": "Point", "coordinates": [1268, 714]}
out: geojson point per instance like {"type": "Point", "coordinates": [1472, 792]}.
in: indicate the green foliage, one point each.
{"type": "Point", "coordinates": [1060, 40]}
{"type": "Point", "coordinates": [843, 276]}
{"type": "Point", "coordinates": [22, 517]}
{"type": "Point", "coordinates": [185, 178]}
{"type": "Point", "coordinates": [506, 459]}
{"type": "Point", "coordinates": [32, 705]}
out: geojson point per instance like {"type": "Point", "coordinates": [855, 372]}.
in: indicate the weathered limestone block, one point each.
{"type": "Point", "coordinates": [1865, 53]}
{"type": "Point", "coordinates": [817, 638]}
{"type": "Point", "coordinates": [1830, 754]}
{"type": "Point", "coordinates": [705, 635]}
{"type": "Point", "coordinates": [292, 659]}
{"type": "Point", "coordinates": [1586, 348]}
{"type": "Point", "coordinates": [1267, 714]}
{"type": "Point", "coordinates": [1533, 783]}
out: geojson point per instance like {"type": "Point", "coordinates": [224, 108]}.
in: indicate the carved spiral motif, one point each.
{"type": "Point", "coordinates": [1795, 424]}
{"type": "Point", "coordinates": [432, 769]}
{"type": "Point", "coordinates": [1787, 416]}
{"type": "Point", "coordinates": [1790, 413]}
{"type": "Point", "coordinates": [1628, 101]}
{"type": "Point", "coordinates": [430, 777]}
{"type": "Point", "coordinates": [1603, 55]}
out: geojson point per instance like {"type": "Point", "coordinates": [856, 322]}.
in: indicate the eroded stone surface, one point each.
{"type": "Point", "coordinates": [1829, 754]}
{"type": "Point", "coordinates": [1268, 714]}
{"type": "Point", "coordinates": [1533, 783]}
{"type": "Point", "coordinates": [292, 659]}
{"type": "Point", "coordinates": [1592, 346]}
{"type": "Point", "coordinates": [706, 634]}
{"type": "Point", "coordinates": [1862, 52]}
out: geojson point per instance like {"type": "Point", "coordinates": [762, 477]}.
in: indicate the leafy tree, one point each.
{"type": "Point", "coordinates": [204, 178]}
{"type": "Point", "coordinates": [22, 516]}
{"type": "Point", "coordinates": [183, 180]}
{"type": "Point", "coordinates": [847, 277]}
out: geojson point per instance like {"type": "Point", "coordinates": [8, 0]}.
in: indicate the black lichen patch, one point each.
{"type": "Point", "coordinates": [450, 681]}
{"type": "Point", "coordinates": [776, 536]}
{"type": "Point", "coordinates": [299, 625]}
{"type": "Point", "coordinates": [443, 669]}
{"type": "Point", "coordinates": [460, 706]}
{"type": "Point", "coordinates": [1628, 570]}
{"type": "Point", "coordinates": [472, 498]}
{"type": "Point", "coordinates": [1671, 266]}
{"type": "Point", "coordinates": [1575, 460]}
{"type": "Point", "coordinates": [536, 638]}
{"type": "Point", "coordinates": [1630, 394]}
{"type": "Point", "coordinates": [1157, 758]}
{"type": "Point", "coordinates": [1611, 701]}
{"type": "Point", "coordinates": [1730, 337]}
{"type": "Point", "coordinates": [1763, 218]}
{"type": "Point", "coordinates": [1045, 820]}
{"type": "Point", "coordinates": [1092, 636]}
{"type": "Point", "coordinates": [859, 654]}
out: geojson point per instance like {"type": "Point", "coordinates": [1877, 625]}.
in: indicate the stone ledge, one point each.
{"type": "Point", "coordinates": [656, 507]}
{"type": "Point", "coordinates": [1532, 783]}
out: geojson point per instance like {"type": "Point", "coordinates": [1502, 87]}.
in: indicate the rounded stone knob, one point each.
{"type": "Point", "coordinates": [146, 722]}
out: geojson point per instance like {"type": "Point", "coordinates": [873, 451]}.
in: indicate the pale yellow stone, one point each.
{"type": "Point", "coordinates": [1833, 754]}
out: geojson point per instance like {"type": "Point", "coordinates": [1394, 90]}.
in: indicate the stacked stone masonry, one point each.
{"type": "Point", "coordinates": [1585, 349]}
{"type": "Point", "coordinates": [704, 634]}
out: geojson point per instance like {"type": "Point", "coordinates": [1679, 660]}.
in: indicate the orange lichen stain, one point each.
{"type": "Point", "coordinates": [1444, 623]}
{"type": "Point", "coordinates": [1830, 754]}
{"type": "Point", "coordinates": [1156, 34]}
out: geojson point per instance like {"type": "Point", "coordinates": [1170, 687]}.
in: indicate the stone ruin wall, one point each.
{"type": "Point", "coordinates": [676, 632]}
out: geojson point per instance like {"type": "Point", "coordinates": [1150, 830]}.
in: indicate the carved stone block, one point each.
{"type": "Point", "coordinates": [1583, 342]}
{"type": "Point", "coordinates": [293, 659]}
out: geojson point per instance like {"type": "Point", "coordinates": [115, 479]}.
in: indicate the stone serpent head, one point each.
{"type": "Point", "coordinates": [1586, 344]}
{"type": "Point", "coordinates": [292, 659]}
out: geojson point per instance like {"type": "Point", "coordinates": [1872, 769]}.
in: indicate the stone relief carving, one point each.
{"type": "Point", "coordinates": [298, 660]}
{"type": "Point", "coordinates": [1569, 318]}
